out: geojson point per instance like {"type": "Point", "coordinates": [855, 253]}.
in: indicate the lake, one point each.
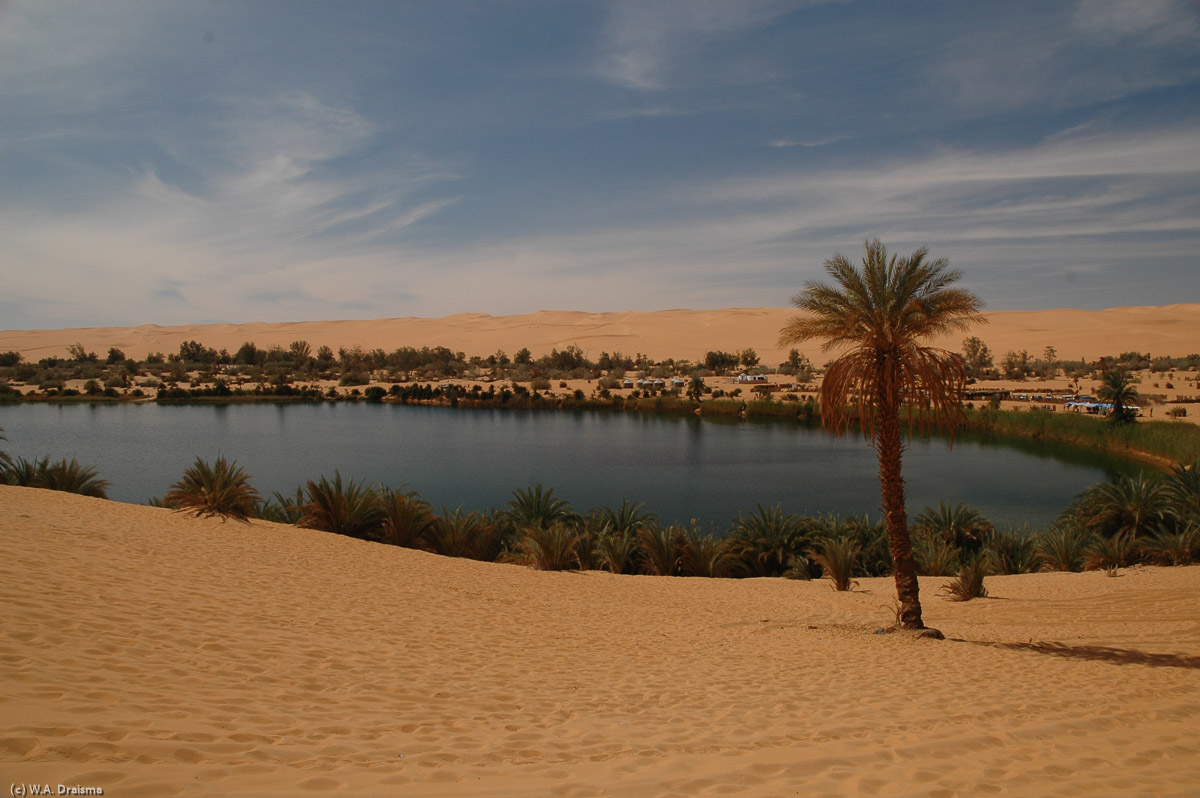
{"type": "Point", "coordinates": [681, 467]}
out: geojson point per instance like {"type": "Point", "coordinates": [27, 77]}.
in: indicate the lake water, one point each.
{"type": "Point", "coordinates": [681, 467]}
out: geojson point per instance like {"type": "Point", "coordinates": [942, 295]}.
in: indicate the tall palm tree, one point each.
{"type": "Point", "coordinates": [881, 314]}
{"type": "Point", "coordinates": [1119, 391]}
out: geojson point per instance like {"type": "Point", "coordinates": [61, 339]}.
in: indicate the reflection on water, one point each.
{"type": "Point", "coordinates": [681, 467]}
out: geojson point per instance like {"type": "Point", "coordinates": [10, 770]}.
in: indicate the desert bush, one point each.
{"type": "Point", "coordinates": [935, 556]}
{"type": "Point", "coordinates": [1118, 551]}
{"type": "Point", "coordinates": [766, 541]}
{"type": "Point", "coordinates": [969, 584]}
{"type": "Point", "coordinates": [550, 548]}
{"type": "Point", "coordinates": [1062, 547]}
{"type": "Point", "coordinates": [658, 549]}
{"type": "Point", "coordinates": [616, 551]}
{"type": "Point", "coordinates": [65, 475]}
{"type": "Point", "coordinates": [1179, 546]}
{"type": "Point", "coordinates": [536, 506]}
{"type": "Point", "coordinates": [407, 519]}
{"type": "Point", "coordinates": [221, 489]}
{"type": "Point", "coordinates": [1011, 552]}
{"type": "Point", "coordinates": [280, 508]}
{"type": "Point", "coordinates": [704, 555]}
{"type": "Point", "coordinates": [960, 525]}
{"type": "Point", "coordinates": [471, 535]}
{"type": "Point", "coordinates": [351, 509]}
{"type": "Point", "coordinates": [838, 558]}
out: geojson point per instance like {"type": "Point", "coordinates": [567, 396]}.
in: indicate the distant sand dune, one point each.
{"type": "Point", "coordinates": [154, 654]}
{"type": "Point", "coordinates": [1167, 330]}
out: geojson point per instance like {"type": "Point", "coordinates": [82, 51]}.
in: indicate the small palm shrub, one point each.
{"type": "Point", "coordinates": [766, 541]}
{"type": "Point", "coordinates": [25, 473]}
{"type": "Point", "coordinates": [802, 568]}
{"type": "Point", "coordinates": [1062, 548]}
{"type": "Point", "coordinates": [1174, 547]}
{"type": "Point", "coordinates": [65, 475]}
{"type": "Point", "coordinates": [1011, 552]}
{"type": "Point", "coordinates": [352, 509]}
{"type": "Point", "coordinates": [70, 476]}
{"type": "Point", "coordinates": [473, 535]}
{"type": "Point", "coordinates": [703, 555]}
{"type": "Point", "coordinates": [221, 489]}
{"type": "Point", "coordinates": [935, 556]}
{"type": "Point", "coordinates": [1110, 553]}
{"type": "Point", "coordinates": [969, 584]}
{"type": "Point", "coordinates": [536, 506]}
{"type": "Point", "coordinates": [550, 548]}
{"type": "Point", "coordinates": [616, 551]}
{"type": "Point", "coordinates": [659, 547]}
{"type": "Point", "coordinates": [960, 525]}
{"type": "Point", "coordinates": [631, 517]}
{"type": "Point", "coordinates": [5, 460]}
{"type": "Point", "coordinates": [838, 558]}
{"type": "Point", "coordinates": [282, 509]}
{"type": "Point", "coordinates": [407, 519]}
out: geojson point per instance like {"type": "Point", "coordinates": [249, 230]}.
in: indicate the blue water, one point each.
{"type": "Point", "coordinates": [682, 468]}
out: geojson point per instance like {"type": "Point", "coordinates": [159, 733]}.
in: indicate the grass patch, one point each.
{"type": "Point", "coordinates": [1159, 440]}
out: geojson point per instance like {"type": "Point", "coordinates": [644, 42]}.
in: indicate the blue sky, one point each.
{"type": "Point", "coordinates": [208, 160]}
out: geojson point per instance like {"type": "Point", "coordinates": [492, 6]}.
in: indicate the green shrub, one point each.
{"type": "Point", "coordinates": [1062, 548]}
{"type": "Point", "coordinates": [969, 584]}
{"type": "Point", "coordinates": [935, 556]}
{"type": "Point", "coordinates": [1011, 552]}
{"type": "Point", "coordinates": [550, 548]}
{"type": "Point", "coordinates": [838, 558]}
{"type": "Point", "coordinates": [351, 509]}
{"type": "Point", "coordinates": [221, 489]}
{"type": "Point", "coordinates": [1108, 553]}
{"type": "Point", "coordinates": [408, 519]}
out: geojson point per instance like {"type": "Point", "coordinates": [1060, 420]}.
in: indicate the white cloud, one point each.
{"type": "Point", "coordinates": [644, 40]}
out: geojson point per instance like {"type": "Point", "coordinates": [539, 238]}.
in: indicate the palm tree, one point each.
{"type": "Point", "coordinates": [882, 313]}
{"type": "Point", "coordinates": [1119, 391]}
{"type": "Point", "coordinates": [222, 488]}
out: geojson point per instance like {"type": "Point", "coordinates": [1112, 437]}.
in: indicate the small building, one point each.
{"type": "Point", "coordinates": [752, 379]}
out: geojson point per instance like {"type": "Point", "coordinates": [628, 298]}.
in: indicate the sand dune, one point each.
{"type": "Point", "coordinates": [1167, 330]}
{"type": "Point", "coordinates": [153, 654]}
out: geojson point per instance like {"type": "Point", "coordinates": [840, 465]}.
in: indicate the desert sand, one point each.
{"type": "Point", "coordinates": [150, 653]}
{"type": "Point", "coordinates": [1076, 334]}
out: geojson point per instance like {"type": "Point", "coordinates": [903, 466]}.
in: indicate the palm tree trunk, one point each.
{"type": "Point", "coordinates": [889, 448]}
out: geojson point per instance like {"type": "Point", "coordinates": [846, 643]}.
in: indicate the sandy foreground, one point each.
{"type": "Point", "coordinates": [153, 654]}
{"type": "Point", "coordinates": [1172, 330]}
